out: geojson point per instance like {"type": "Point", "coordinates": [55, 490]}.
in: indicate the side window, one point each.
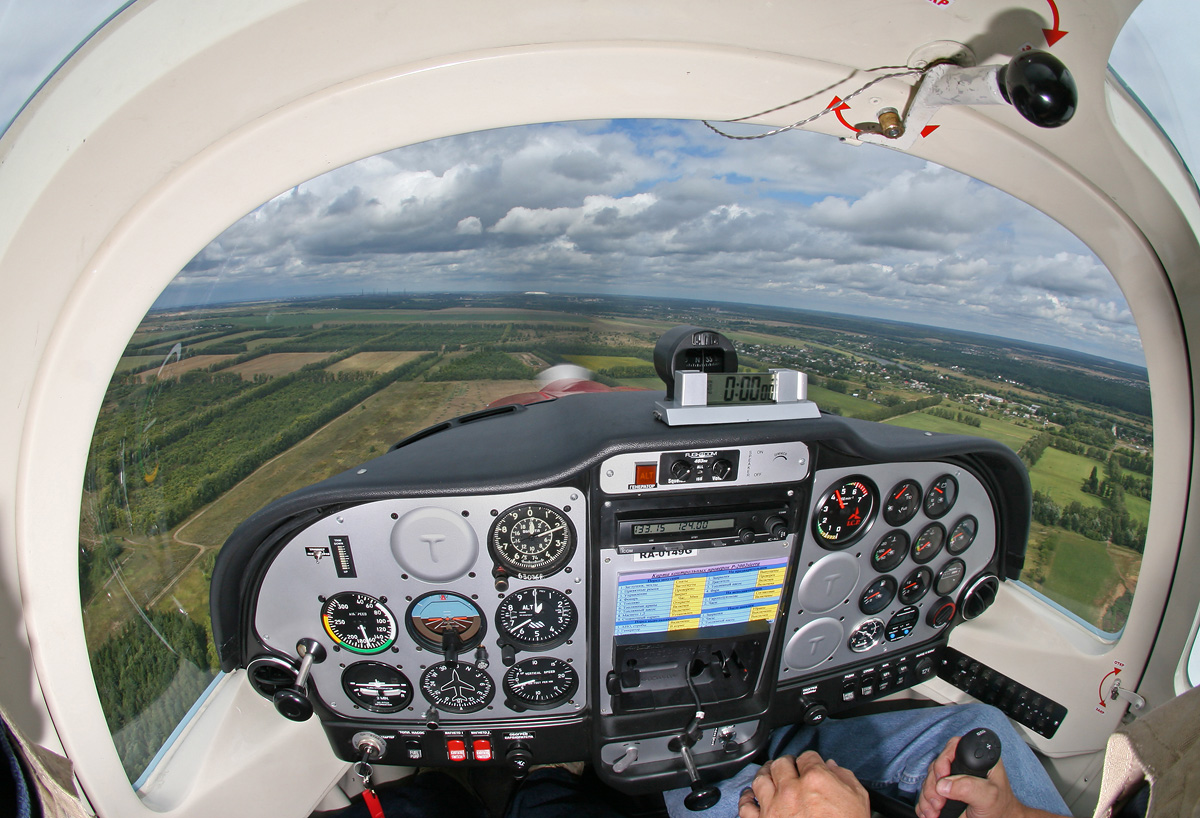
{"type": "Point", "coordinates": [427, 282]}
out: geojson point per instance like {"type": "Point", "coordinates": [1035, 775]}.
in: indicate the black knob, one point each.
{"type": "Point", "coordinates": [746, 535]}
{"type": "Point", "coordinates": [681, 468]}
{"type": "Point", "coordinates": [813, 712]}
{"type": "Point", "coordinates": [702, 797]}
{"type": "Point", "coordinates": [941, 613]}
{"type": "Point", "coordinates": [978, 751]}
{"type": "Point", "coordinates": [721, 469]}
{"type": "Point", "coordinates": [776, 527]}
{"type": "Point", "coordinates": [292, 703]}
{"type": "Point", "coordinates": [1040, 87]}
{"type": "Point", "coordinates": [519, 760]}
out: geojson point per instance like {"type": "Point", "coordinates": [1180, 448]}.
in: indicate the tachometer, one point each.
{"type": "Point", "coordinates": [845, 513]}
{"type": "Point", "coordinates": [532, 538]}
{"type": "Point", "coordinates": [358, 622]}
{"type": "Point", "coordinates": [540, 683]}
{"type": "Point", "coordinates": [536, 618]}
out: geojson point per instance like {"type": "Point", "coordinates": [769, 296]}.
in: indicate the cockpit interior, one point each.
{"type": "Point", "coordinates": [478, 387]}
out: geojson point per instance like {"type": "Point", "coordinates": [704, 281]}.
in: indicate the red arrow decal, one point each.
{"type": "Point", "coordinates": [928, 129]}
{"type": "Point", "coordinates": [1113, 672]}
{"type": "Point", "coordinates": [837, 106]}
{"type": "Point", "coordinates": [1053, 35]}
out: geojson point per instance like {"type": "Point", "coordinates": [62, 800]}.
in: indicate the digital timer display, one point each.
{"type": "Point", "coordinates": [681, 526]}
{"type": "Point", "coordinates": [725, 389]}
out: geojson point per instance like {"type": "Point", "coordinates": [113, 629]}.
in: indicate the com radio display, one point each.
{"type": "Point", "coordinates": [699, 597]}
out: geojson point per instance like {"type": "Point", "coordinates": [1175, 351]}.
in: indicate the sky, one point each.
{"type": "Point", "coordinates": [665, 209]}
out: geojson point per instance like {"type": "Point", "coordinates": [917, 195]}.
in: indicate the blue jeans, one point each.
{"type": "Point", "coordinates": [891, 752]}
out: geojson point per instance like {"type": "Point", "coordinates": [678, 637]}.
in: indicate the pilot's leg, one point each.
{"type": "Point", "coordinates": [553, 792]}
{"type": "Point", "coordinates": [891, 752]}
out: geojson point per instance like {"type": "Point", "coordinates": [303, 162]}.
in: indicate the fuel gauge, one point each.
{"type": "Point", "coordinates": [902, 502]}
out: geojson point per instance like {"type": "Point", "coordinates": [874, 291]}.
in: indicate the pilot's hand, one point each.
{"type": "Point", "coordinates": [804, 787]}
{"type": "Point", "coordinates": [990, 797]}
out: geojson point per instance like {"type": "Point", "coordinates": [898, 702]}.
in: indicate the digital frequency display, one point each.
{"type": "Point", "coordinates": [682, 526]}
{"type": "Point", "coordinates": [688, 598]}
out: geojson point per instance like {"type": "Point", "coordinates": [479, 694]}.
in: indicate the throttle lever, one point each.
{"type": "Point", "coordinates": [977, 753]}
{"type": "Point", "coordinates": [292, 701]}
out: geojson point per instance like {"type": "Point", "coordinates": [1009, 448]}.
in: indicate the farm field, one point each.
{"type": "Point", "coordinates": [1080, 574]}
{"type": "Point", "coordinates": [597, 362]}
{"type": "Point", "coordinates": [277, 363]}
{"type": "Point", "coordinates": [1061, 474]}
{"type": "Point", "coordinates": [372, 362]}
{"type": "Point", "coordinates": [177, 368]}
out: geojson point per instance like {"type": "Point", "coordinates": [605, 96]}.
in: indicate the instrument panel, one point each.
{"type": "Point", "coordinates": [471, 599]}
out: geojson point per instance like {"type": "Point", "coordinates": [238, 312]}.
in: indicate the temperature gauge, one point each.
{"type": "Point", "coordinates": [915, 586]}
{"type": "Point", "coordinates": [890, 552]}
{"type": "Point", "coordinates": [878, 595]}
{"type": "Point", "coordinates": [962, 535]}
{"type": "Point", "coordinates": [929, 543]}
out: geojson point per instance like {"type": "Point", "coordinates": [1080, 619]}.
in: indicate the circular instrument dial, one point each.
{"type": "Point", "coordinates": [928, 543]}
{"type": "Point", "coordinates": [941, 496]}
{"type": "Point", "coordinates": [532, 538]}
{"type": "Point", "coordinates": [377, 687]}
{"type": "Point", "coordinates": [878, 595]}
{"type": "Point", "coordinates": [540, 683]}
{"type": "Point", "coordinates": [457, 687]}
{"type": "Point", "coordinates": [962, 535]}
{"type": "Point", "coordinates": [890, 552]}
{"type": "Point", "coordinates": [915, 586]}
{"type": "Point", "coordinates": [431, 616]}
{"type": "Point", "coordinates": [902, 502]}
{"type": "Point", "coordinates": [845, 513]}
{"type": "Point", "coordinates": [866, 636]}
{"type": "Point", "coordinates": [358, 622]}
{"type": "Point", "coordinates": [536, 618]}
{"type": "Point", "coordinates": [949, 577]}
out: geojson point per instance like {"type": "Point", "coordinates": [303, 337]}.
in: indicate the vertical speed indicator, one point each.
{"type": "Point", "coordinates": [845, 512]}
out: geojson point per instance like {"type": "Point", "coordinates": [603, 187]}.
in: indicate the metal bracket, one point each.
{"type": "Point", "coordinates": [1136, 702]}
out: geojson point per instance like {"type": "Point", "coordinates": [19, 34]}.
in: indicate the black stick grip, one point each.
{"type": "Point", "coordinates": [978, 751]}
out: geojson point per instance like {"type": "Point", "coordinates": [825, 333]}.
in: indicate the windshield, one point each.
{"type": "Point", "coordinates": [427, 282]}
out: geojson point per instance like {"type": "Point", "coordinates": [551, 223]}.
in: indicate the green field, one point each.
{"type": "Point", "coordinates": [1061, 474]}
{"type": "Point", "coordinates": [1080, 573]}
{"type": "Point", "coordinates": [847, 405]}
{"type": "Point", "coordinates": [1001, 431]}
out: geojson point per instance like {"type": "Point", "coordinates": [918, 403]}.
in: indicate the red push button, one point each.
{"type": "Point", "coordinates": [483, 749]}
{"type": "Point", "coordinates": [456, 749]}
{"type": "Point", "coordinates": [645, 474]}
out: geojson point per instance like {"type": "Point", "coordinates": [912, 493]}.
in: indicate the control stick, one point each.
{"type": "Point", "coordinates": [978, 751]}
{"type": "Point", "coordinates": [292, 701]}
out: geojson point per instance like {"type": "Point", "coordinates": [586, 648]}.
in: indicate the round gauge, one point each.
{"type": "Point", "coordinates": [457, 687]}
{"type": "Point", "coordinates": [536, 618]}
{"type": "Point", "coordinates": [890, 552]}
{"type": "Point", "coordinates": [866, 636]}
{"type": "Point", "coordinates": [532, 538]}
{"type": "Point", "coordinates": [915, 586]}
{"type": "Point", "coordinates": [878, 595]}
{"type": "Point", "coordinates": [540, 683]}
{"type": "Point", "coordinates": [902, 502]}
{"type": "Point", "coordinates": [962, 535]}
{"type": "Point", "coordinates": [431, 616]}
{"type": "Point", "coordinates": [941, 496]}
{"type": "Point", "coordinates": [949, 577]}
{"type": "Point", "coordinates": [901, 624]}
{"type": "Point", "coordinates": [928, 543]}
{"type": "Point", "coordinates": [358, 622]}
{"type": "Point", "coordinates": [845, 513]}
{"type": "Point", "coordinates": [377, 687]}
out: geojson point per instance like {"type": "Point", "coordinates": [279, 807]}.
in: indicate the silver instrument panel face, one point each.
{"type": "Point", "coordinates": [883, 548]}
{"type": "Point", "coordinates": [383, 585]}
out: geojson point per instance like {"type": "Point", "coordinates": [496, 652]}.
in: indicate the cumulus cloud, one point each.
{"type": "Point", "coordinates": [667, 208]}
